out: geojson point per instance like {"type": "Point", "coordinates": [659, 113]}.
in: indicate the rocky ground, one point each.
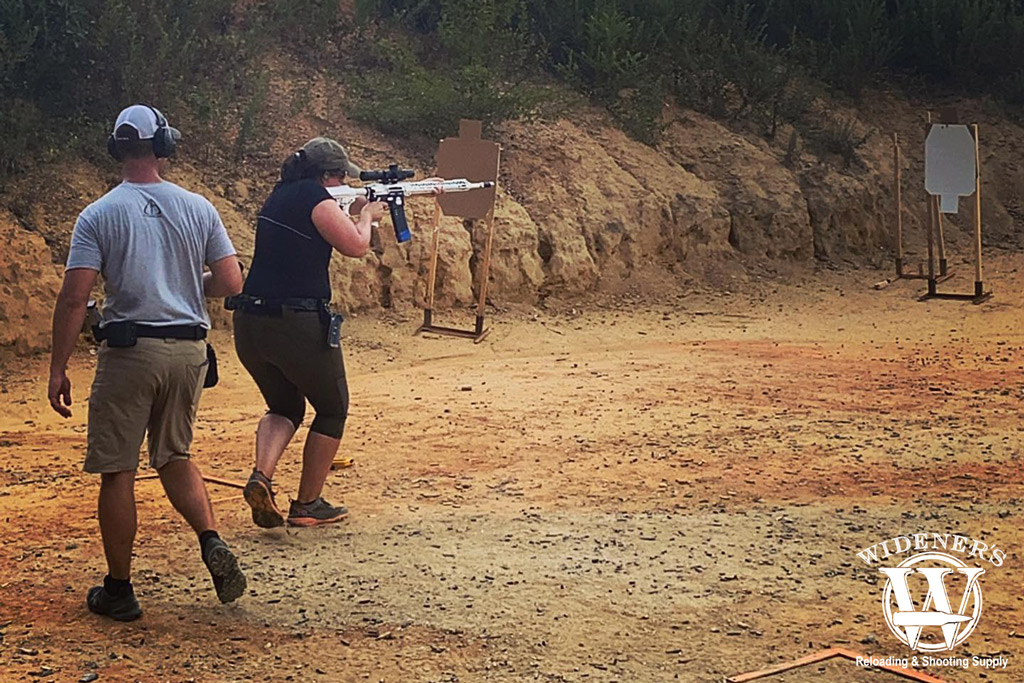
{"type": "Point", "coordinates": [628, 491]}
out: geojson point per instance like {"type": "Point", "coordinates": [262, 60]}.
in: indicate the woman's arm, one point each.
{"type": "Point", "coordinates": [351, 238]}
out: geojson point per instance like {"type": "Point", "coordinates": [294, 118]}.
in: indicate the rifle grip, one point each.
{"type": "Point", "coordinates": [397, 206]}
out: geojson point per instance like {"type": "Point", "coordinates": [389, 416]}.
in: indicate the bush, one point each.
{"type": "Point", "coordinates": [19, 121]}
{"type": "Point", "coordinates": [68, 64]}
{"type": "Point", "coordinates": [410, 100]}
{"type": "Point", "coordinates": [839, 135]}
{"type": "Point", "coordinates": [313, 29]}
{"type": "Point", "coordinates": [475, 60]}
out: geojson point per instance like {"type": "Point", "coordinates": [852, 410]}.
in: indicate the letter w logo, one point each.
{"type": "Point", "coordinates": [911, 621]}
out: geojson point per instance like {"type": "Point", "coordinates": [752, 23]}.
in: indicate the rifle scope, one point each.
{"type": "Point", "coordinates": [392, 174]}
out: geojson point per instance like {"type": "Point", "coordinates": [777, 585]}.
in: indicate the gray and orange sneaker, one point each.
{"type": "Point", "coordinates": [317, 512]}
{"type": "Point", "coordinates": [259, 494]}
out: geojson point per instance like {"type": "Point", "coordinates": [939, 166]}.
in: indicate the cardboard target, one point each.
{"type": "Point", "coordinates": [470, 157]}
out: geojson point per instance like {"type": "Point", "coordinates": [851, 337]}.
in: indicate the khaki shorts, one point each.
{"type": "Point", "coordinates": [151, 387]}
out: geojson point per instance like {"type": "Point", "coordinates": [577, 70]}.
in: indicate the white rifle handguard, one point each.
{"type": "Point", "coordinates": [395, 193]}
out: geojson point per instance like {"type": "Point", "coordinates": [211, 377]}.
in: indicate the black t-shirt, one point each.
{"type": "Point", "coordinates": [291, 257]}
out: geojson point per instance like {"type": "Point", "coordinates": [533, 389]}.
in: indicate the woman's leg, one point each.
{"type": "Point", "coordinates": [257, 339]}
{"type": "Point", "coordinates": [318, 373]}
{"type": "Point", "coordinates": [317, 457]}
{"type": "Point", "coordinates": [273, 435]}
{"type": "Point", "coordinates": [329, 397]}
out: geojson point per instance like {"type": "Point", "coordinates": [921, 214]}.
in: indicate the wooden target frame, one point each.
{"type": "Point", "coordinates": [477, 160]}
{"type": "Point", "coordinates": [950, 118]}
{"type": "Point", "coordinates": [937, 263]}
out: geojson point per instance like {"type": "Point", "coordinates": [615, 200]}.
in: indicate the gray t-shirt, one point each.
{"type": "Point", "coordinates": [150, 241]}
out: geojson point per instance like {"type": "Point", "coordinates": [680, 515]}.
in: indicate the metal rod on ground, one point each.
{"type": "Point", "coordinates": [206, 478]}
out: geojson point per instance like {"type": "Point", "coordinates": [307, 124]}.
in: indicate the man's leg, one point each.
{"type": "Point", "coordinates": [116, 597]}
{"type": "Point", "coordinates": [170, 437]}
{"type": "Point", "coordinates": [118, 522]}
{"type": "Point", "coordinates": [186, 490]}
{"type": "Point", "coordinates": [118, 409]}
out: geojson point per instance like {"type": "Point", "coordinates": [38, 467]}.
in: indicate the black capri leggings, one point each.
{"type": "Point", "coordinates": [290, 360]}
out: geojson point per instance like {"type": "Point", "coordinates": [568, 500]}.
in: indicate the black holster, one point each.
{"type": "Point", "coordinates": [212, 376]}
{"type": "Point", "coordinates": [120, 335]}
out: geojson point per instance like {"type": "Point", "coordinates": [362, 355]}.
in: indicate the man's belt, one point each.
{"type": "Point", "coordinates": [125, 333]}
{"type": "Point", "coordinates": [263, 305]}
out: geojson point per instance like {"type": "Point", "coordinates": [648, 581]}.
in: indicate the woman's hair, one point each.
{"type": "Point", "coordinates": [298, 167]}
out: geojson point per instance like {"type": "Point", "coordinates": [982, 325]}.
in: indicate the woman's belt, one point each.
{"type": "Point", "coordinates": [264, 305]}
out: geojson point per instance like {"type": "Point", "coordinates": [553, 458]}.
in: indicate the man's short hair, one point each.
{"type": "Point", "coordinates": [129, 146]}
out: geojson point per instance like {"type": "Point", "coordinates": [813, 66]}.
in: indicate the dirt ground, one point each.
{"type": "Point", "coordinates": [631, 491]}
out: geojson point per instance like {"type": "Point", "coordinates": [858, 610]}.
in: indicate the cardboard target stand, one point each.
{"type": "Point", "coordinates": [952, 171]}
{"type": "Point", "coordinates": [477, 160]}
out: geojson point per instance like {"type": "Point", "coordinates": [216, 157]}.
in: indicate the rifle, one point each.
{"type": "Point", "coordinates": [390, 188]}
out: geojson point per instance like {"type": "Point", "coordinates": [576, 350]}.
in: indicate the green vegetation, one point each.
{"type": "Point", "coordinates": [66, 64]}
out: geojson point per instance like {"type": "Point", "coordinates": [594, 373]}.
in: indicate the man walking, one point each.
{"type": "Point", "coordinates": [150, 239]}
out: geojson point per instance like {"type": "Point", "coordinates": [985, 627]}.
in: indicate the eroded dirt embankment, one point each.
{"type": "Point", "coordinates": [581, 207]}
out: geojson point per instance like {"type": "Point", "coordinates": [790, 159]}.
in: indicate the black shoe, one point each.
{"type": "Point", "coordinates": [317, 512]}
{"type": "Point", "coordinates": [260, 497]}
{"type": "Point", "coordinates": [122, 608]}
{"type": "Point", "coordinates": [228, 579]}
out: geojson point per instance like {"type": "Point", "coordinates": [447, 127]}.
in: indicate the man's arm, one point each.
{"type": "Point", "coordinates": [68, 316]}
{"type": "Point", "coordinates": [224, 278]}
